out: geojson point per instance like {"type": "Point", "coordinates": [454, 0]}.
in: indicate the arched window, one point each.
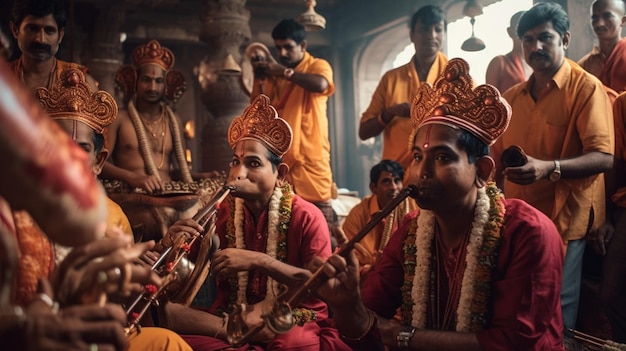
{"type": "Point", "coordinates": [490, 27]}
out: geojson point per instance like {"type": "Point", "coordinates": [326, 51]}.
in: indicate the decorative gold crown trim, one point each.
{"type": "Point", "coordinates": [454, 101]}
{"type": "Point", "coordinates": [261, 122]}
{"type": "Point", "coordinates": [73, 99]}
{"type": "Point", "coordinates": [153, 52]}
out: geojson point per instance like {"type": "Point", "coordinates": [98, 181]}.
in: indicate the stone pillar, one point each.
{"type": "Point", "coordinates": [104, 53]}
{"type": "Point", "coordinates": [225, 28]}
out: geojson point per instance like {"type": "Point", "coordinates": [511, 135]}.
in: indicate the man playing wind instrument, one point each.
{"type": "Point", "coordinates": [268, 235]}
{"type": "Point", "coordinates": [471, 270]}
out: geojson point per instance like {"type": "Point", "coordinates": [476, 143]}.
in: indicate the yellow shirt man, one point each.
{"type": "Point", "coordinates": [397, 86]}
{"type": "Point", "coordinates": [573, 117]}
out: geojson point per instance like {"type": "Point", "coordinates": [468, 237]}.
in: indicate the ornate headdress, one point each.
{"type": "Point", "coordinates": [453, 101]}
{"type": "Point", "coordinates": [153, 52]}
{"type": "Point", "coordinates": [73, 99]}
{"type": "Point", "coordinates": [260, 121]}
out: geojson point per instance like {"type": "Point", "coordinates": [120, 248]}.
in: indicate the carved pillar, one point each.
{"type": "Point", "coordinates": [225, 28]}
{"type": "Point", "coordinates": [104, 55]}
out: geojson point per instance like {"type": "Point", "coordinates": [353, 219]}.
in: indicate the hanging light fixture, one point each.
{"type": "Point", "coordinates": [311, 20]}
{"type": "Point", "coordinates": [472, 9]}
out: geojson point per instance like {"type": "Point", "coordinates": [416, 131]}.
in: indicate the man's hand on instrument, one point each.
{"type": "Point", "coordinates": [150, 183]}
{"type": "Point", "coordinates": [342, 286]}
{"type": "Point", "coordinates": [231, 260]}
{"type": "Point", "coordinates": [102, 267]}
{"type": "Point", "coordinates": [187, 228]}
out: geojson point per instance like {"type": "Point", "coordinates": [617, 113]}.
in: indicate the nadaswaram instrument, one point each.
{"type": "Point", "coordinates": [280, 318]}
{"type": "Point", "coordinates": [181, 278]}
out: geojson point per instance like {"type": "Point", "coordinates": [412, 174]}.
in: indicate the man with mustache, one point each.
{"type": "Point", "coordinates": [385, 184]}
{"type": "Point", "coordinates": [388, 112]}
{"type": "Point", "coordinates": [562, 119]}
{"type": "Point", "coordinates": [299, 86]}
{"type": "Point", "coordinates": [607, 60]}
{"type": "Point", "coordinates": [469, 270]}
{"type": "Point", "coordinates": [39, 27]}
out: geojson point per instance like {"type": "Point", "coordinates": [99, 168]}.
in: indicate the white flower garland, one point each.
{"type": "Point", "coordinates": [421, 279]}
{"type": "Point", "coordinates": [271, 247]}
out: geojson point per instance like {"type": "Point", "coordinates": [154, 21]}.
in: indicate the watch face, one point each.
{"type": "Point", "coordinates": [554, 176]}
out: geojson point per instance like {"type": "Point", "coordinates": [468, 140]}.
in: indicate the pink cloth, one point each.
{"type": "Point", "coordinates": [526, 282]}
{"type": "Point", "coordinates": [307, 237]}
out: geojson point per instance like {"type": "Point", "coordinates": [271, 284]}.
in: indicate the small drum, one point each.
{"type": "Point", "coordinates": [150, 215]}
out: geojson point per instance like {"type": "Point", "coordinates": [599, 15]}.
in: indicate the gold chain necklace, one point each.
{"type": "Point", "coordinates": [161, 124]}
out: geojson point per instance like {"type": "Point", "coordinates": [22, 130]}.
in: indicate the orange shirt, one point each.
{"type": "Point", "coordinates": [309, 156]}
{"type": "Point", "coordinates": [397, 86]}
{"type": "Point", "coordinates": [610, 70]}
{"type": "Point", "coordinates": [572, 117]}
{"type": "Point", "coordinates": [504, 71]}
{"type": "Point", "coordinates": [362, 213]}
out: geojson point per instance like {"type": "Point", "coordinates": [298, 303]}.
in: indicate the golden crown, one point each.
{"type": "Point", "coordinates": [153, 52]}
{"type": "Point", "coordinates": [454, 101]}
{"type": "Point", "coordinates": [73, 99]}
{"type": "Point", "coordinates": [260, 121]}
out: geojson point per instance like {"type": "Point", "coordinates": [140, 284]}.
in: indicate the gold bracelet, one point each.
{"type": "Point", "coordinates": [370, 324]}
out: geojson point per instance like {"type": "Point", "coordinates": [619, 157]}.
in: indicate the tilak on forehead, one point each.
{"type": "Point", "coordinates": [261, 122]}
{"type": "Point", "coordinates": [455, 102]}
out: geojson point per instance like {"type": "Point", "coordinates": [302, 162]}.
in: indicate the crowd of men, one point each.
{"type": "Point", "coordinates": [510, 182]}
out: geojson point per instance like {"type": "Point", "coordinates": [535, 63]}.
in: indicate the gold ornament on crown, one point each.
{"type": "Point", "coordinates": [73, 99]}
{"type": "Point", "coordinates": [153, 52]}
{"type": "Point", "coordinates": [261, 122]}
{"type": "Point", "coordinates": [454, 101]}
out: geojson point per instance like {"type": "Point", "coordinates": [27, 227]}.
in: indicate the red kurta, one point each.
{"type": "Point", "coordinates": [526, 282]}
{"type": "Point", "coordinates": [307, 237]}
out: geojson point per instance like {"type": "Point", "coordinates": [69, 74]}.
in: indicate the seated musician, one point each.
{"type": "Point", "coordinates": [471, 270]}
{"type": "Point", "coordinates": [385, 184]}
{"type": "Point", "coordinates": [267, 234]}
{"type": "Point", "coordinates": [146, 144]}
{"type": "Point", "coordinates": [84, 115]}
{"type": "Point", "coordinates": [54, 175]}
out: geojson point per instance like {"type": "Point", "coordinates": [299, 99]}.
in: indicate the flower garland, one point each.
{"type": "Point", "coordinates": [472, 310]}
{"type": "Point", "coordinates": [279, 216]}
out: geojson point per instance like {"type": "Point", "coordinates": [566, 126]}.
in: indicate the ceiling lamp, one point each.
{"type": "Point", "coordinates": [311, 20]}
{"type": "Point", "coordinates": [472, 9]}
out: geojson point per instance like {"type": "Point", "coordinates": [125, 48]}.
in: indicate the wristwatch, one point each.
{"type": "Point", "coordinates": [404, 338]}
{"type": "Point", "coordinates": [556, 174]}
{"type": "Point", "coordinates": [288, 72]}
